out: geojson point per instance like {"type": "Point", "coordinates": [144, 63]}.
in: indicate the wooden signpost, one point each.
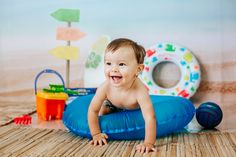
{"type": "Point", "coordinates": [68, 34]}
{"type": "Point", "coordinates": [65, 52]}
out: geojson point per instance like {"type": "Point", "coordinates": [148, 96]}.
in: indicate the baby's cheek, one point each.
{"type": "Point", "coordinates": [106, 71]}
{"type": "Point", "coordinates": [106, 75]}
{"type": "Point", "coordinates": [124, 70]}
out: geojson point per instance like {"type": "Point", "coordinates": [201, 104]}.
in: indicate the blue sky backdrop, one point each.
{"type": "Point", "coordinates": [27, 24]}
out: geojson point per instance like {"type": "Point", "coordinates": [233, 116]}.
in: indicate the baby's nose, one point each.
{"type": "Point", "coordinates": [114, 69]}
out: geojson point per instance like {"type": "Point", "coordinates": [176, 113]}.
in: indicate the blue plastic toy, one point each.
{"type": "Point", "coordinates": [209, 115]}
{"type": "Point", "coordinates": [172, 114]}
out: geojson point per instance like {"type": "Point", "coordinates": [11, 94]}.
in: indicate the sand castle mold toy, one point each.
{"type": "Point", "coordinates": [50, 103]}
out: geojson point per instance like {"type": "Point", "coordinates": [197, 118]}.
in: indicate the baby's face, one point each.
{"type": "Point", "coordinates": [121, 66]}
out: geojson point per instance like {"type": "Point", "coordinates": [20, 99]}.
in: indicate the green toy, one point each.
{"type": "Point", "coordinates": [53, 88]}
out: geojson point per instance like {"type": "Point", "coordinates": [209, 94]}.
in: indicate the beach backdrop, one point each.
{"type": "Point", "coordinates": [207, 28]}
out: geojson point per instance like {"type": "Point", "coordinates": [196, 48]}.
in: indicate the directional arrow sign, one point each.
{"type": "Point", "coordinates": [67, 15]}
{"type": "Point", "coordinates": [65, 52]}
{"type": "Point", "coordinates": [69, 34]}
{"type": "Point", "coordinates": [100, 45]}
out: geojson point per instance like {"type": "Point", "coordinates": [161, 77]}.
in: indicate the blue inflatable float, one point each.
{"type": "Point", "coordinates": [172, 114]}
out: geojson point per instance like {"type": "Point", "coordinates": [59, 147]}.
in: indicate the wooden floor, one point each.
{"type": "Point", "coordinates": [26, 141]}
{"type": "Point", "coordinates": [49, 139]}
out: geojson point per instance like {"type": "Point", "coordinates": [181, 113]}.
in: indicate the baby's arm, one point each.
{"type": "Point", "coordinates": [95, 105]}
{"type": "Point", "coordinates": [150, 122]}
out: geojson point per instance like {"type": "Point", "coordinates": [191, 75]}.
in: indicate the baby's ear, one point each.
{"type": "Point", "coordinates": [140, 67]}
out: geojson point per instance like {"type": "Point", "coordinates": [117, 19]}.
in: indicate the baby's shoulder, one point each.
{"type": "Point", "coordinates": [140, 85]}
{"type": "Point", "coordinates": [102, 88]}
{"type": "Point", "coordinates": [140, 89]}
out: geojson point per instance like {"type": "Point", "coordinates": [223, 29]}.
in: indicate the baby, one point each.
{"type": "Point", "coordinates": [122, 89]}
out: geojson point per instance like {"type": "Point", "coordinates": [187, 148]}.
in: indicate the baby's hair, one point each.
{"type": "Point", "coordinates": [123, 42]}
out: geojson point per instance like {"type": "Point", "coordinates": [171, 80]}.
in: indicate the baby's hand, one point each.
{"type": "Point", "coordinates": [145, 147]}
{"type": "Point", "coordinates": [99, 139]}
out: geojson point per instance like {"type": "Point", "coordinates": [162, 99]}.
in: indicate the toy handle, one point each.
{"type": "Point", "coordinates": [46, 71]}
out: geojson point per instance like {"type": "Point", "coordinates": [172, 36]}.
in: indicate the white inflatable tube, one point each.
{"type": "Point", "coordinates": [183, 58]}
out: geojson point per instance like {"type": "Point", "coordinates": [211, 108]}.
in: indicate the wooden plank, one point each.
{"type": "Point", "coordinates": [5, 130]}
{"type": "Point", "coordinates": [112, 148]}
{"type": "Point", "coordinates": [180, 146]}
{"type": "Point", "coordinates": [118, 149]}
{"type": "Point", "coordinates": [133, 152]}
{"type": "Point", "coordinates": [25, 141]}
{"type": "Point", "coordinates": [12, 133]}
{"type": "Point", "coordinates": [128, 149]}
{"type": "Point", "coordinates": [80, 145]}
{"type": "Point", "coordinates": [212, 142]}
{"type": "Point", "coordinates": [28, 150]}
{"type": "Point", "coordinates": [86, 148]}
{"type": "Point", "coordinates": [228, 145]}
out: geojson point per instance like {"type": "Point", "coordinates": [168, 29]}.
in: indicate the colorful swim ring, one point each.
{"type": "Point", "coordinates": [183, 58]}
{"type": "Point", "coordinates": [172, 114]}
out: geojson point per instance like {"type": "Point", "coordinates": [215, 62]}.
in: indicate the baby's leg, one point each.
{"type": "Point", "coordinates": [104, 110]}
{"type": "Point", "coordinates": [107, 107]}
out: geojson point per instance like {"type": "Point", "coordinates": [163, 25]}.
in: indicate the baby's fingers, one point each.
{"type": "Point", "coordinates": [105, 135]}
{"type": "Point", "coordinates": [154, 149]}
{"type": "Point", "coordinates": [147, 149]}
{"type": "Point", "coordinates": [91, 142]}
{"type": "Point", "coordinates": [100, 142]}
{"type": "Point", "coordinates": [150, 149]}
{"type": "Point", "coordinates": [143, 149]}
{"type": "Point", "coordinates": [104, 141]}
{"type": "Point", "coordinates": [95, 142]}
{"type": "Point", "coordinates": [138, 147]}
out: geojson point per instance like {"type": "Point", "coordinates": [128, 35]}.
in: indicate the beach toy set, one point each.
{"type": "Point", "coordinates": [50, 102]}
{"type": "Point", "coordinates": [50, 105]}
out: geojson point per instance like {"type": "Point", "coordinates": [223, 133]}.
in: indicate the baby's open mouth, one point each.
{"type": "Point", "coordinates": [116, 78]}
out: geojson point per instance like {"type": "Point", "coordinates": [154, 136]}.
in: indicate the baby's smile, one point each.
{"type": "Point", "coordinates": [116, 79]}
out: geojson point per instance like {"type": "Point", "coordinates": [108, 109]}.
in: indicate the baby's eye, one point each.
{"type": "Point", "coordinates": [108, 63]}
{"type": "Point", "coordinates": [122, 64]}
